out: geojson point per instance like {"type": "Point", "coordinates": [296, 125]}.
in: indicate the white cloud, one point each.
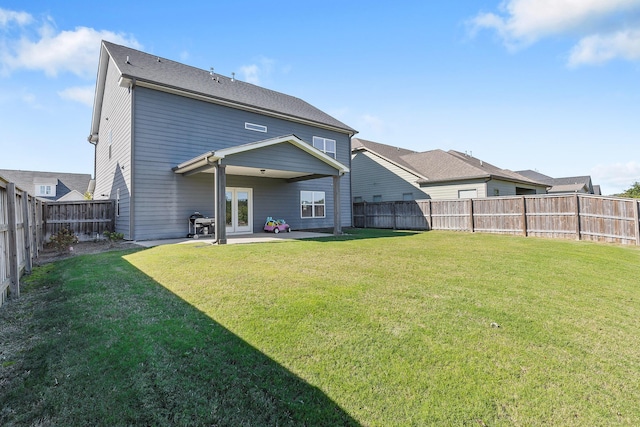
{"type": "Point", "coordinates": [256, 73]}
{"type": "Point", "coordinates": [251, 73]}
{"type": "Point", "coordinates": [82, 94]}
{"type": "Point", "coordinates": [55, 52]}
{"type": "Point", "coordinates": [598, 49]}
{"type": "Point", "coordinates": [9, 16]}
{"type": "Point", "coordinates": [598, 24]}
{"type": "Point", "coordinates": [616, 177]}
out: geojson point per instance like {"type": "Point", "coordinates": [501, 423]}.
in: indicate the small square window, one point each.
{"type": "Point", "coordinates": [407, 196]}
{"type": "Point", "coordinates": [377, 198]}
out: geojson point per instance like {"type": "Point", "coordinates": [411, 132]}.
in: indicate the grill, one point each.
{"type": "Point", "coordinates": [200, 226]}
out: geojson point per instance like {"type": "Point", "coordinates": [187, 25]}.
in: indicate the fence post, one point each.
{"type": "Point", "coordinates": [364, 213]}
{"type": "Point", "coordinates": [430, 216]}
{"type": "Point", "coordinates": [524, 216]}
{"type": "Point", "coordinates": [636, 214]}
{"type": "Point", "coordinates": [393, 213]}
{"type": "Point", "coordinates": [14, 273]}
{"type": "Point", "coordinates": [25, 228]}
{"type": "Point", "coordinates": [577, 200]}
{"type": "Point", "coordinates": [471, 215]}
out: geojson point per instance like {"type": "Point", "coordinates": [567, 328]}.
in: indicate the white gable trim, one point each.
{"type": "Point", "coordinates": [211, 157]}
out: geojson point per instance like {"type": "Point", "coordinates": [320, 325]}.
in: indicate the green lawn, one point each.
{"type": "Point", "coordinates": [380, 328]}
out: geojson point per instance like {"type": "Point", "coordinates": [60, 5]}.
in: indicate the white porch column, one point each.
{"type": "Point", "coordinates": [337, 225]}
{"type": "Point", "coordinates": [220, 203]}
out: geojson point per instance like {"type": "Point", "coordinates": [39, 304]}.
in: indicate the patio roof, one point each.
{"type": "Point", "coordinates": [205, 163]}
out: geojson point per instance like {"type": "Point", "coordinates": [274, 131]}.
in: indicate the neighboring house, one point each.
{"type": "Point", "coordinates": [51, 186]}
{"type": "Point", "coordinates": [382, 172]}
{"type": "Point", "coordinates": [171, 140]}
{"type": "Point", "coordinates": [570, 184]}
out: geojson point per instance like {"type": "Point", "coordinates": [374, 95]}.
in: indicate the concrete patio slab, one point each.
{"type": "Point", "coordinates": [237, 239]}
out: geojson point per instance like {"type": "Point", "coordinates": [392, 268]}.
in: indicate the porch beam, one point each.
{"type": "Point", "coordinates": [337, 225]}
{"type": "Point", "coordinates": [306, 177]}
{"type": "Point", "coordinates": [220, 203]}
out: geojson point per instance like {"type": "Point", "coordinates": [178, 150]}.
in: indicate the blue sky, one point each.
{"type": "Point", "coordinates": [550, 85]}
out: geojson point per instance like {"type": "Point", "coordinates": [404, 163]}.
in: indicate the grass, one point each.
{"type": "Point", "coordinates": [379, 328]}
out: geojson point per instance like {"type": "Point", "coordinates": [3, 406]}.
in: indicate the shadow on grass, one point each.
{"type": "Point", "coordinates": [365, 233]}
{"type": "Point", "coordinates": [110, 346]}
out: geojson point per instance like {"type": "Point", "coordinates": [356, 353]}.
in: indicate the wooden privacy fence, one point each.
{"type": "Point", "coordinates": [88, 219]}
{"type": "Point", "coordinates": [26, 223]}
{"type": "Point", "coordinates": [21, 236]}
{"type": "Point", "coordinates": [572, 216]}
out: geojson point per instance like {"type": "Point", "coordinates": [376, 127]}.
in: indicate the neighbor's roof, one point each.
{"type": "Point", "coordinates": [65, 182]}
{"type": "Point", "coordinates": [164, 74]}
{"type": "Point", "coordinates": [440, 166]}
{"type": "Point", "coordinates": [569, 184]}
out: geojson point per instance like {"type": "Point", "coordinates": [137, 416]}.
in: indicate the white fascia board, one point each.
{"type": "Point", "coordinates": [99, 94]}
{"type": "Point", "coordinates": [202, 160]}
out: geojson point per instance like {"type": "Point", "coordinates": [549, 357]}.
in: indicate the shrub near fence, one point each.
{"type": "Point", "coordinates": [573, 216]}
{"type": "Point", "coordinates": [88, 219]}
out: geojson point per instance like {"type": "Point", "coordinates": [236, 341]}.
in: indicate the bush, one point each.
{"type": "Point", "coordinates": [63, 240]}
{"type": "Point", "coordinates": [112, 236]}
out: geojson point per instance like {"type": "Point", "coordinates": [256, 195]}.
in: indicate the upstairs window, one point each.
{"type": "Point", "coordinates": [45, 190]}
{"type": "Point", "coordinates": [327, 146]}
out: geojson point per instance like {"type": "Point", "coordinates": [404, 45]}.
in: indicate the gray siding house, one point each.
{"type": "Point", "coordinates": [171, 140]}
{"type": "Point", "coordinates": [383, 173]}
{"type": "Point", "coordinates": [51, 186]}
{"type": "Point", "coordinates": [569, 184]}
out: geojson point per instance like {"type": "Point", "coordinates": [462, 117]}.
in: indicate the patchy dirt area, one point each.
{"type": "Point", "coordinates": [50, 254]}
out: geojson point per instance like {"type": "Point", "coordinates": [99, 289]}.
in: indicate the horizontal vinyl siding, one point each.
{"type": "Point", "coordinates": [170, 129]}
{"type": "Point", "coordinates": [115, 173]}
{"type": "Point", "coordinates": [450, 191]}
{"type": "Point", "coordinates": [375, 176]}
{"type": "Point", "coordinates": [505, 188]}
{"type": "Point", "coordinates": [283, 156]}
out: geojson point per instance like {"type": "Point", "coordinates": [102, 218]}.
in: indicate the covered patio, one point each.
{"type": "Point", "coordinates": [287, 158]}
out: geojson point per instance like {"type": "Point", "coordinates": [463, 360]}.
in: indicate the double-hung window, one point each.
{"type": "Point", "coordinates": [312, 204]}
{"type": "Point", "coordinates": [45, 190]}
{"type": "Point", "coordinates": [327, 146]}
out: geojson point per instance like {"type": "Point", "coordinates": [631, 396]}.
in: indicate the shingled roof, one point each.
{"type": "Point", "coordinates": [568, 184]}
{"type": "Point", "coordinates": [142, 68]}
{"type": "Point", "coordinates": [439, 165]}
{"type": "Point", "coordinates": [65, 182]}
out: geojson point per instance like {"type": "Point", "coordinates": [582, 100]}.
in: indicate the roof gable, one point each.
{"type": "Point", "coordinates": [140, 68]}
{"type": "Point", "coordinates": [206, 161]}
{"type": "Point", "coordinates": [65, 182]}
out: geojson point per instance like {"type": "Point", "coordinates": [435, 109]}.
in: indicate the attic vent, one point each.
{"type": "Point", "coordinates": [257, 128]}
{"type": "Point", "coordinates": [128, 60]}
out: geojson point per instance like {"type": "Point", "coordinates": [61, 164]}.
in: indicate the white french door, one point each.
{"type": "Point", "coordinates": [239, 210]}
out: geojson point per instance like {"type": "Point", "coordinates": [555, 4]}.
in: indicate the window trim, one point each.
{"type": "Point", "coordinates": [313, 204]}
{"type": "Point", "coordinates": [323, 141]}
{"type": "Point", "coordinates": [255, 127]}
{"type": "Point", "coordinates": [45, 190]}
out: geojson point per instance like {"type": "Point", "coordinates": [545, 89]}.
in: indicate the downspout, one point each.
{"type": "Point", "coordinates": [132, 169]}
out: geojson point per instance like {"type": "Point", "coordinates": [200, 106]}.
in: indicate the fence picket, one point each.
{"type": "Point", "coordinates": [577, 216]}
